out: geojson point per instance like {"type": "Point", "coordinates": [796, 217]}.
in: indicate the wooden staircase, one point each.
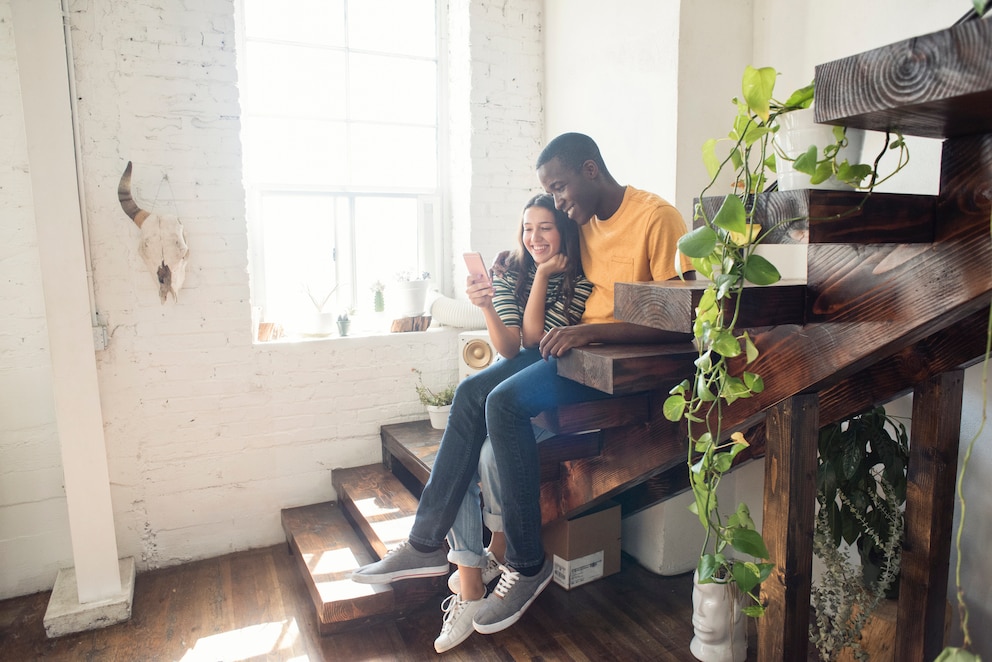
{"type": "Point", "coordinates": [896, 300]}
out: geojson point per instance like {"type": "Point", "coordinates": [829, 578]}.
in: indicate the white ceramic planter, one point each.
{"type": "Point", "coordinates": [718, 623]}
{"type": "Point", "coordinates": [408, 298]}
{"type": "Point", "coordinates": [796, 133]}
{"type": "Point", "coordinates": [439, 416]}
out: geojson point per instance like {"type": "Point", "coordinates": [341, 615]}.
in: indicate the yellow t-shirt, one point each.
{"type": "Point", "coordinates": [637, 244]}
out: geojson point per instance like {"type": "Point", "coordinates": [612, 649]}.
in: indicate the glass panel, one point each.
{"type": "Point", "coordinates": [392, 26]}
{"type": "Point", "coordinates": [322, 20]}
{"type": "Point", "coordinates": [394, 156]}
{"type": "Point", "coordinates": [386, 242]}
{"type": "Point", "coordinates": [389, 89]}
{"type": "Point", "coordinates": [299, 238]}
{"type": "Point", "coordinates": [295, 152]}
{"type": "Point", "coordinates": [294, 81]}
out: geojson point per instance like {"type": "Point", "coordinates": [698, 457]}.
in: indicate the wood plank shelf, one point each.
{"type": "Point", "coordinates": [671, 304]}
{"type": "Point", "coordinates": [937, 85]}
{"type": "Point", "coordinates": [813, 216]}
{"type": "Point", "coordinates": [625, 369]}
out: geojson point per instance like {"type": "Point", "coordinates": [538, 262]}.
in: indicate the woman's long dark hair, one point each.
{"type": "Point", "coordinates": [521, 261]}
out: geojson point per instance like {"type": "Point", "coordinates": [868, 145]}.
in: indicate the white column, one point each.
{"type": "Point", "coordinates": [41, 59]}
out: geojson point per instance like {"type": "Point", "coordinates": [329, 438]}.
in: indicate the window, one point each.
{"type": "Point", "coordinates": [340, 134]}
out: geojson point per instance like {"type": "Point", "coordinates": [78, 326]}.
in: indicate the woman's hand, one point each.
{"type": "Point", "coordinates": [480, 292]}
{"type": "Point", "coordinates": [556, 265]}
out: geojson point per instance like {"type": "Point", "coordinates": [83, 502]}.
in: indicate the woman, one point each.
{"type": "Point", "coordinates": [540, 286]}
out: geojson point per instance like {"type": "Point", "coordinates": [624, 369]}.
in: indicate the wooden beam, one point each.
{"type": "Point", "coordinates": [933, 462]}
{"type": "Point", "coordinates": [937, 85]}
{"type": "Point", "coordinates": [790, 495]}
{"type": "Point", "coordinates": [621, 369]}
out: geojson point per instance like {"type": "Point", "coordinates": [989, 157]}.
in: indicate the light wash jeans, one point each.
{"type": "Point", "coordinates": [465, 538]}
{"type": "Point", "coordinates": [501, 399]}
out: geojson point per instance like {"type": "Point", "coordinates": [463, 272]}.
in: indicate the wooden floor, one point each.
{"type": "Point", "coordinates": [252, 606]}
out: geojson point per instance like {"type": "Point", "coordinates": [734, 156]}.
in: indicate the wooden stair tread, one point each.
{"type": "Point", "coordinates": [624, 369]}
{"type": "Point", "coordinates": [377, 503]}
{"type": "Point", "coordinates": [670, 305]}
{"type": "Point", "coordinates": [937, 85]}
{"type": "Point", "coordinates": [328, 550]}
{"type": "Point", "coordinates": [813, 216]}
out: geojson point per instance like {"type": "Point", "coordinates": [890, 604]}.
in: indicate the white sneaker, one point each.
{"type": "Point", "coordinates": [489, 573]}
{"type": "Point", "coordinates": [457, 625]}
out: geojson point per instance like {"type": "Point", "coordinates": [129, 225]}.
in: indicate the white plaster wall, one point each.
{"type": "Point", "coordinates": [208, 435]}
{"type": "Point", "coordinates": [613, 75]}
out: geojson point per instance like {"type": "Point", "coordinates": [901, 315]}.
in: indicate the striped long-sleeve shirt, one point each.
{"type": "Point", "coordinates": [512, 312]}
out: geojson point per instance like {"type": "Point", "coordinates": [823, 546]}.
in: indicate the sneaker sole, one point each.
{"type": "Point", "coordinates": [451, 644]}
{"type": "Point", "coordinates": [455, 584]}
{"type": "Point", "coordinates": [493, 628]}
{"type": "Point", "coordinates": [413, 573]}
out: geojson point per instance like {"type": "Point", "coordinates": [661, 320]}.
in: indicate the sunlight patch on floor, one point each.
{"type": "Point", "coordinates": [246, 643]}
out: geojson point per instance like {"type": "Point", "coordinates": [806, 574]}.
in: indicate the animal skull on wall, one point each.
{"type": "Point", "coordinates": [163, 245]}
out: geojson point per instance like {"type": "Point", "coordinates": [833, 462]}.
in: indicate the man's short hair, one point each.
{"type": "Point", "coordinates": [572, 150]}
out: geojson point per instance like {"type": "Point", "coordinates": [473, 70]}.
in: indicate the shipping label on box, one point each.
{"type": "Point", "coordinates": [569, 574]}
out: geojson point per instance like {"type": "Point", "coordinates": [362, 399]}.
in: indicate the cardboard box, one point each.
{"type": "Point", "coordinates": [585, 547]}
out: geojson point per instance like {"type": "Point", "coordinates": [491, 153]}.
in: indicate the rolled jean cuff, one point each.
{"type": "Point", "coordinates": [467, 559]}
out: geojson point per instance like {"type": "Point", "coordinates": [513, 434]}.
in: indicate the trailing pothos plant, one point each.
{"type": "Point", "coordinates": [722, 250]}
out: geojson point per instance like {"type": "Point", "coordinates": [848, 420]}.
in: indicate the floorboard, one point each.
{"type": "Point", "coordinates": [253, 606]}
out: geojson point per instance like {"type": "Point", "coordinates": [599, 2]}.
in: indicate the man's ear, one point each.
{"type": "Point", "coordinates": [590, 169]}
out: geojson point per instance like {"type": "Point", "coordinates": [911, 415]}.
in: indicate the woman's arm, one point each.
{"type": "Point", "coordinates": [505, 338]}
{"type": "Point", "coordinates": [534, 312]}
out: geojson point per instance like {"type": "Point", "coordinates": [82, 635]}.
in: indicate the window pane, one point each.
{"type": "Point", "coordinates": [392, 26]}
{"type": "Point", "coordinates": [389, 89]}
{"type": "Point", "coordinates": [299, 240]}
{"type": "Point", "coordinates": [386, 240]}
{"type": "Point", "coordinates": [394, 156]}
{"type": "Point", "coordinates": [295, 81]}
{"type": "Point", "coordinates": [324, 22]}
{"type": "Point", "coordinates": [295, 152]}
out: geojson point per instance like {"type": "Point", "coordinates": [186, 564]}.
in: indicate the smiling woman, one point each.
{"type": "Point", "coordinates": [339, 128]}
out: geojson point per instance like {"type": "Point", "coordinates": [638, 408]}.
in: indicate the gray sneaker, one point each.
{"type": "Point", "coordinates": [403, 562]}
{"type": "Point", "coordinates": [492, 570]}
{"type": "Point", "coordinates": [510, 599]}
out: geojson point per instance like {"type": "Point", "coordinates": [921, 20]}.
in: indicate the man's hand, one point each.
{"type": "Point", "coordinates": [560, 339]}
{"type": "Point", "coordinates": [499, 264]}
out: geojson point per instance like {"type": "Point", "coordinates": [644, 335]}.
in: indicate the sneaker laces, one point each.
{"type": "Point", "coordinates": [506, 581]}
{"type": "Point", "coordinates": [451, 606]}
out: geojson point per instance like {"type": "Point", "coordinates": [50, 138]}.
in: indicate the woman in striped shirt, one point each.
{"type": "Point", "coordinates": [537, 287]}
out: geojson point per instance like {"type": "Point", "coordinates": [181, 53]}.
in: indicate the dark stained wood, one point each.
{"type": "Point", "coordinates": [933, 465]}
{"type": "Point", "coordinates": [813, 216]}
{"type": "Point", "coordinates": [937, 85]}
{"type": "Point", "coordinates": [622, 369]}
{"type": "Point", "coordinates": [564, 447]}
{"type": "Point", "coordinates": [198, 611]}
{"type": "Point", "coordinates": [597, 415]}
{"type": "Point", "coordinates": [413, 444]}
{"type": "Point", "coordinates": [790, 495]}
{"type": "Point", "coordinates": [670, 305]}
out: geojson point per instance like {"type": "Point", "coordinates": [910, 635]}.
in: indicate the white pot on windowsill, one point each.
{"type": "Point", "coordinates": [409, 298]}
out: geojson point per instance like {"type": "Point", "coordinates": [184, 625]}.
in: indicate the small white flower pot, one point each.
{"type": "Point", "coordinates": [439, 416]}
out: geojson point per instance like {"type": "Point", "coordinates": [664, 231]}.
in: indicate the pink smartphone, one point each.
{"type": "Point", "coordinates": [477, 266]}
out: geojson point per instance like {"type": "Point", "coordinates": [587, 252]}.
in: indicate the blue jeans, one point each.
{"type": "Point", "coordinates": [466, 537]}
{"type": "Point", "coordinates": [457, 460]}
{"type": "Point", "coordinates": [509, 394]}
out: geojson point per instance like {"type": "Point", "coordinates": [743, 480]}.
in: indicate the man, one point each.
{"type": "Point", "coordinates": [627, 235]}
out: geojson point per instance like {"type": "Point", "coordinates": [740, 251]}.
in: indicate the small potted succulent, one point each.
{"type": "Point", "coordinates": [438, 403]}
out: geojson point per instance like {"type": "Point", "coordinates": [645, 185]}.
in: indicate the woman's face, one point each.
{"type": "Point", "coordinates": [540, 234]}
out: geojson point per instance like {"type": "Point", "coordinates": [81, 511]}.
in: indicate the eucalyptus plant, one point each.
{"type": "Point", "coordinates": [722, 250]}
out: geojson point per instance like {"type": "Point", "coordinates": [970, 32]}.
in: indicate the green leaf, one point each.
{"type": "Point", "coordinates": [760, 271]}
{"type": "Point", "coordinates": [853, 174]}
{"type": "Point", "coordinates": [732, 217]}
{"type": "Point", "coordinates": [727, 345]}
{"type": "Point", "coordinates": [709, 157]}
{"type": "Point", "coordinates": [751, 351]}
{"type": "Point", "coordinates": [674, 407]}
{"type": "Point", "coordinates": [754, 611]}
{"type": "Point", "coordinates": [750, 542]}
{"type": "Point", "coordinates": [801, 98]}
{"type": "Point", "coordinates": [698, 243]}
{"type": "Point", "coordinates": [951, 654]}
{"type": "Point", "coordinates": [746, 575]}
{"type": "Point", "coordinates": [823, 172]}
{"type": "Point", "coordinates": [754, 382]}
{"type": "Point", "coordinates": [806, 163]}
{"type": "Point", "coordinates": [705, 568]}
{"type": "Point", "coordinates": [757, 87]}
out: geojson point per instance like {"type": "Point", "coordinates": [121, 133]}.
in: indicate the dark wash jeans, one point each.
{"type": "Point", "coordinates": [502, 398]}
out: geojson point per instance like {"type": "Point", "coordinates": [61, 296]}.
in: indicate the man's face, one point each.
{"type": "Point", "coordinates": [571, 190]}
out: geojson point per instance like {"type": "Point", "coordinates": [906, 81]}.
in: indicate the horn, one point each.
{"type": "Point", "coordinates": [130, 207]}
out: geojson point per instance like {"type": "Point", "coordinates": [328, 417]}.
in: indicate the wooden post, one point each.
{"type": "Point", "coordinates": [790, 496]}
{"type": "Point", "coordinates": [933, 462]}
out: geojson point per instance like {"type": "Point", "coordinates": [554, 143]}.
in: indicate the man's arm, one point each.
{"type": "Point", "coordinates": [561, 339]}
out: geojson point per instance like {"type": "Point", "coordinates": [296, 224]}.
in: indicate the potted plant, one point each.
{"type": "Point", "coordinates": [722, 249]}
{"type": "Point", "coordinates": [323, 323]}
{"type": "Point", "coordinates": [410, 294]}
{"type": "Point", "coordinates": [344, 323]}
{"type": "Point", "coordinates": [438, 403]}
{"type": "Point", "coordinates": [861, 491]}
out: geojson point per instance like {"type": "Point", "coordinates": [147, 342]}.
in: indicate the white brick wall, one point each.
{"type": "Point", "coordinates": [208, 436]}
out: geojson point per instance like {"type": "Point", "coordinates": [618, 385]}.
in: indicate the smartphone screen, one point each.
{"type": "Point", "coordinates": [477, 266]}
